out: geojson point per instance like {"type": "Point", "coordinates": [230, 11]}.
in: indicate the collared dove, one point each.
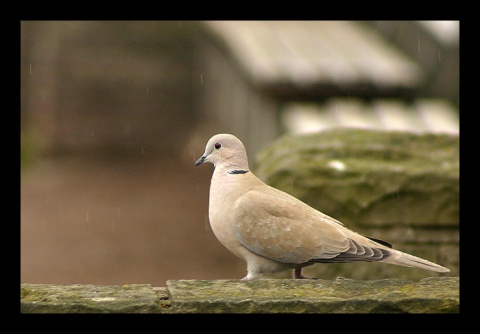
{"type": "Point", "coordinates": [272, 230]}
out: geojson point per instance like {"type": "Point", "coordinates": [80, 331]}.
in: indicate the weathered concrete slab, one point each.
{"type": "Point", "coordinates": [78, 298]}
{"type": "Point", "coordinates": [431, 295]}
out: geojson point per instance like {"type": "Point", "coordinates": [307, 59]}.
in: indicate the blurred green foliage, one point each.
{"type": "Point", "coordinates": [28, 149]}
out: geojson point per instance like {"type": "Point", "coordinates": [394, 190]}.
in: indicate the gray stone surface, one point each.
{"type": "Point", "coordinates": [78, 298]}
{"type": "Point", "coordinates": [369, 177]}
{"type": "Point", "coordinates": [431, 295]}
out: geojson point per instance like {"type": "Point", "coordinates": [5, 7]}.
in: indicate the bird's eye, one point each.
{"type": "Point", "coordinates": [217, 146]}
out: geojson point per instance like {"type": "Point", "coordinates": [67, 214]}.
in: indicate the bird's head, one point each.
{"type": "Point", "coordinates": [225, 150]}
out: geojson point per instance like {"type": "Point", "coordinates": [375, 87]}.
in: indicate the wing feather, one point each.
{"type": "Point", "coordinates": [278, 226]}
{"type": "Point", "coordinates": [275, 225]}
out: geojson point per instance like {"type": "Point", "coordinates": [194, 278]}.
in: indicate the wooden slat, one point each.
{"type": "Point", "coordinates": [424, 115]}
{"type": "Point", "coordinates": [315, 52]}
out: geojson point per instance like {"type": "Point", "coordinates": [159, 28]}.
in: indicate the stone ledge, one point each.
{"type": "Point", "coordinates": [430, 295]}
{"type": "Point", "coordinates": [79, 298]}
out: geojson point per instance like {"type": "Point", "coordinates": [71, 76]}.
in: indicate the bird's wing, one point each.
{"type": "Point", "coordinates": [278, 226]}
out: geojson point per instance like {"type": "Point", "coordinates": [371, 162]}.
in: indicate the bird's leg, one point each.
{"type": "Point", "coordinates": [298, 274]}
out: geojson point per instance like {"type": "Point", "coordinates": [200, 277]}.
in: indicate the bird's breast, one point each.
{"type": "Point", "coordinates": [221, 210]}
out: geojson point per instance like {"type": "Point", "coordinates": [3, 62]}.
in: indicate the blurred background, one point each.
{"type": "Point", "coordinates": [115, 113]}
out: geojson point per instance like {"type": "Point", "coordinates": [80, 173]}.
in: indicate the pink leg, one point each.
{"type": "Point", "coordinates": [298, 274]}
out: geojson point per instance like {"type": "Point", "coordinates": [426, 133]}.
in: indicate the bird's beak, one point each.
{"type": "Point", "coordinates": [201, 160]}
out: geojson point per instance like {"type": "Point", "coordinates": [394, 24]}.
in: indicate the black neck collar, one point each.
{"type": "Point", "coordinates": [238, 171]}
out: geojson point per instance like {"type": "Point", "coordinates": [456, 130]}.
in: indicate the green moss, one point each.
{"type": "Point", "coordinates": [314, 296]}
{"type": "Point", "coordinates": [430, 295]}
{"type": "Point", "coordinates": [28, 294]}
{"type": "Point", "coordinates": [77, 298]}
{"type": "Point", "coordinates": [363, 149]}
{"type": "Point", "coordinates": [372, 180]}
{"type": "Point", "coordinates": [346, 172]}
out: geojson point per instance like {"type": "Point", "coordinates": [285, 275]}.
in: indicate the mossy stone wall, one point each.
{"type": "Point", "coordinates": [397, 186]}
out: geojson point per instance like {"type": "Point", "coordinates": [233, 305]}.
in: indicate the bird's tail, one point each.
{"type": "Point", "coordinates": [404, 259]}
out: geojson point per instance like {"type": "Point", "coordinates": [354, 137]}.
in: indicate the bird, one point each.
{"type": "Point", "coordinates": [273, 231]}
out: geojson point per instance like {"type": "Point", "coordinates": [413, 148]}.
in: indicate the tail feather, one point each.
{"type": "Point", "coordinates": [404, 259]}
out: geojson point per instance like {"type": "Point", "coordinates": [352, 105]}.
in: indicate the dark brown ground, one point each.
{"type": "Point", "coordinates": [97, 221]}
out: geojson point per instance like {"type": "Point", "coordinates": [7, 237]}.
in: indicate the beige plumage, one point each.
{"type": "Point", "coordinates": [273, 231]}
